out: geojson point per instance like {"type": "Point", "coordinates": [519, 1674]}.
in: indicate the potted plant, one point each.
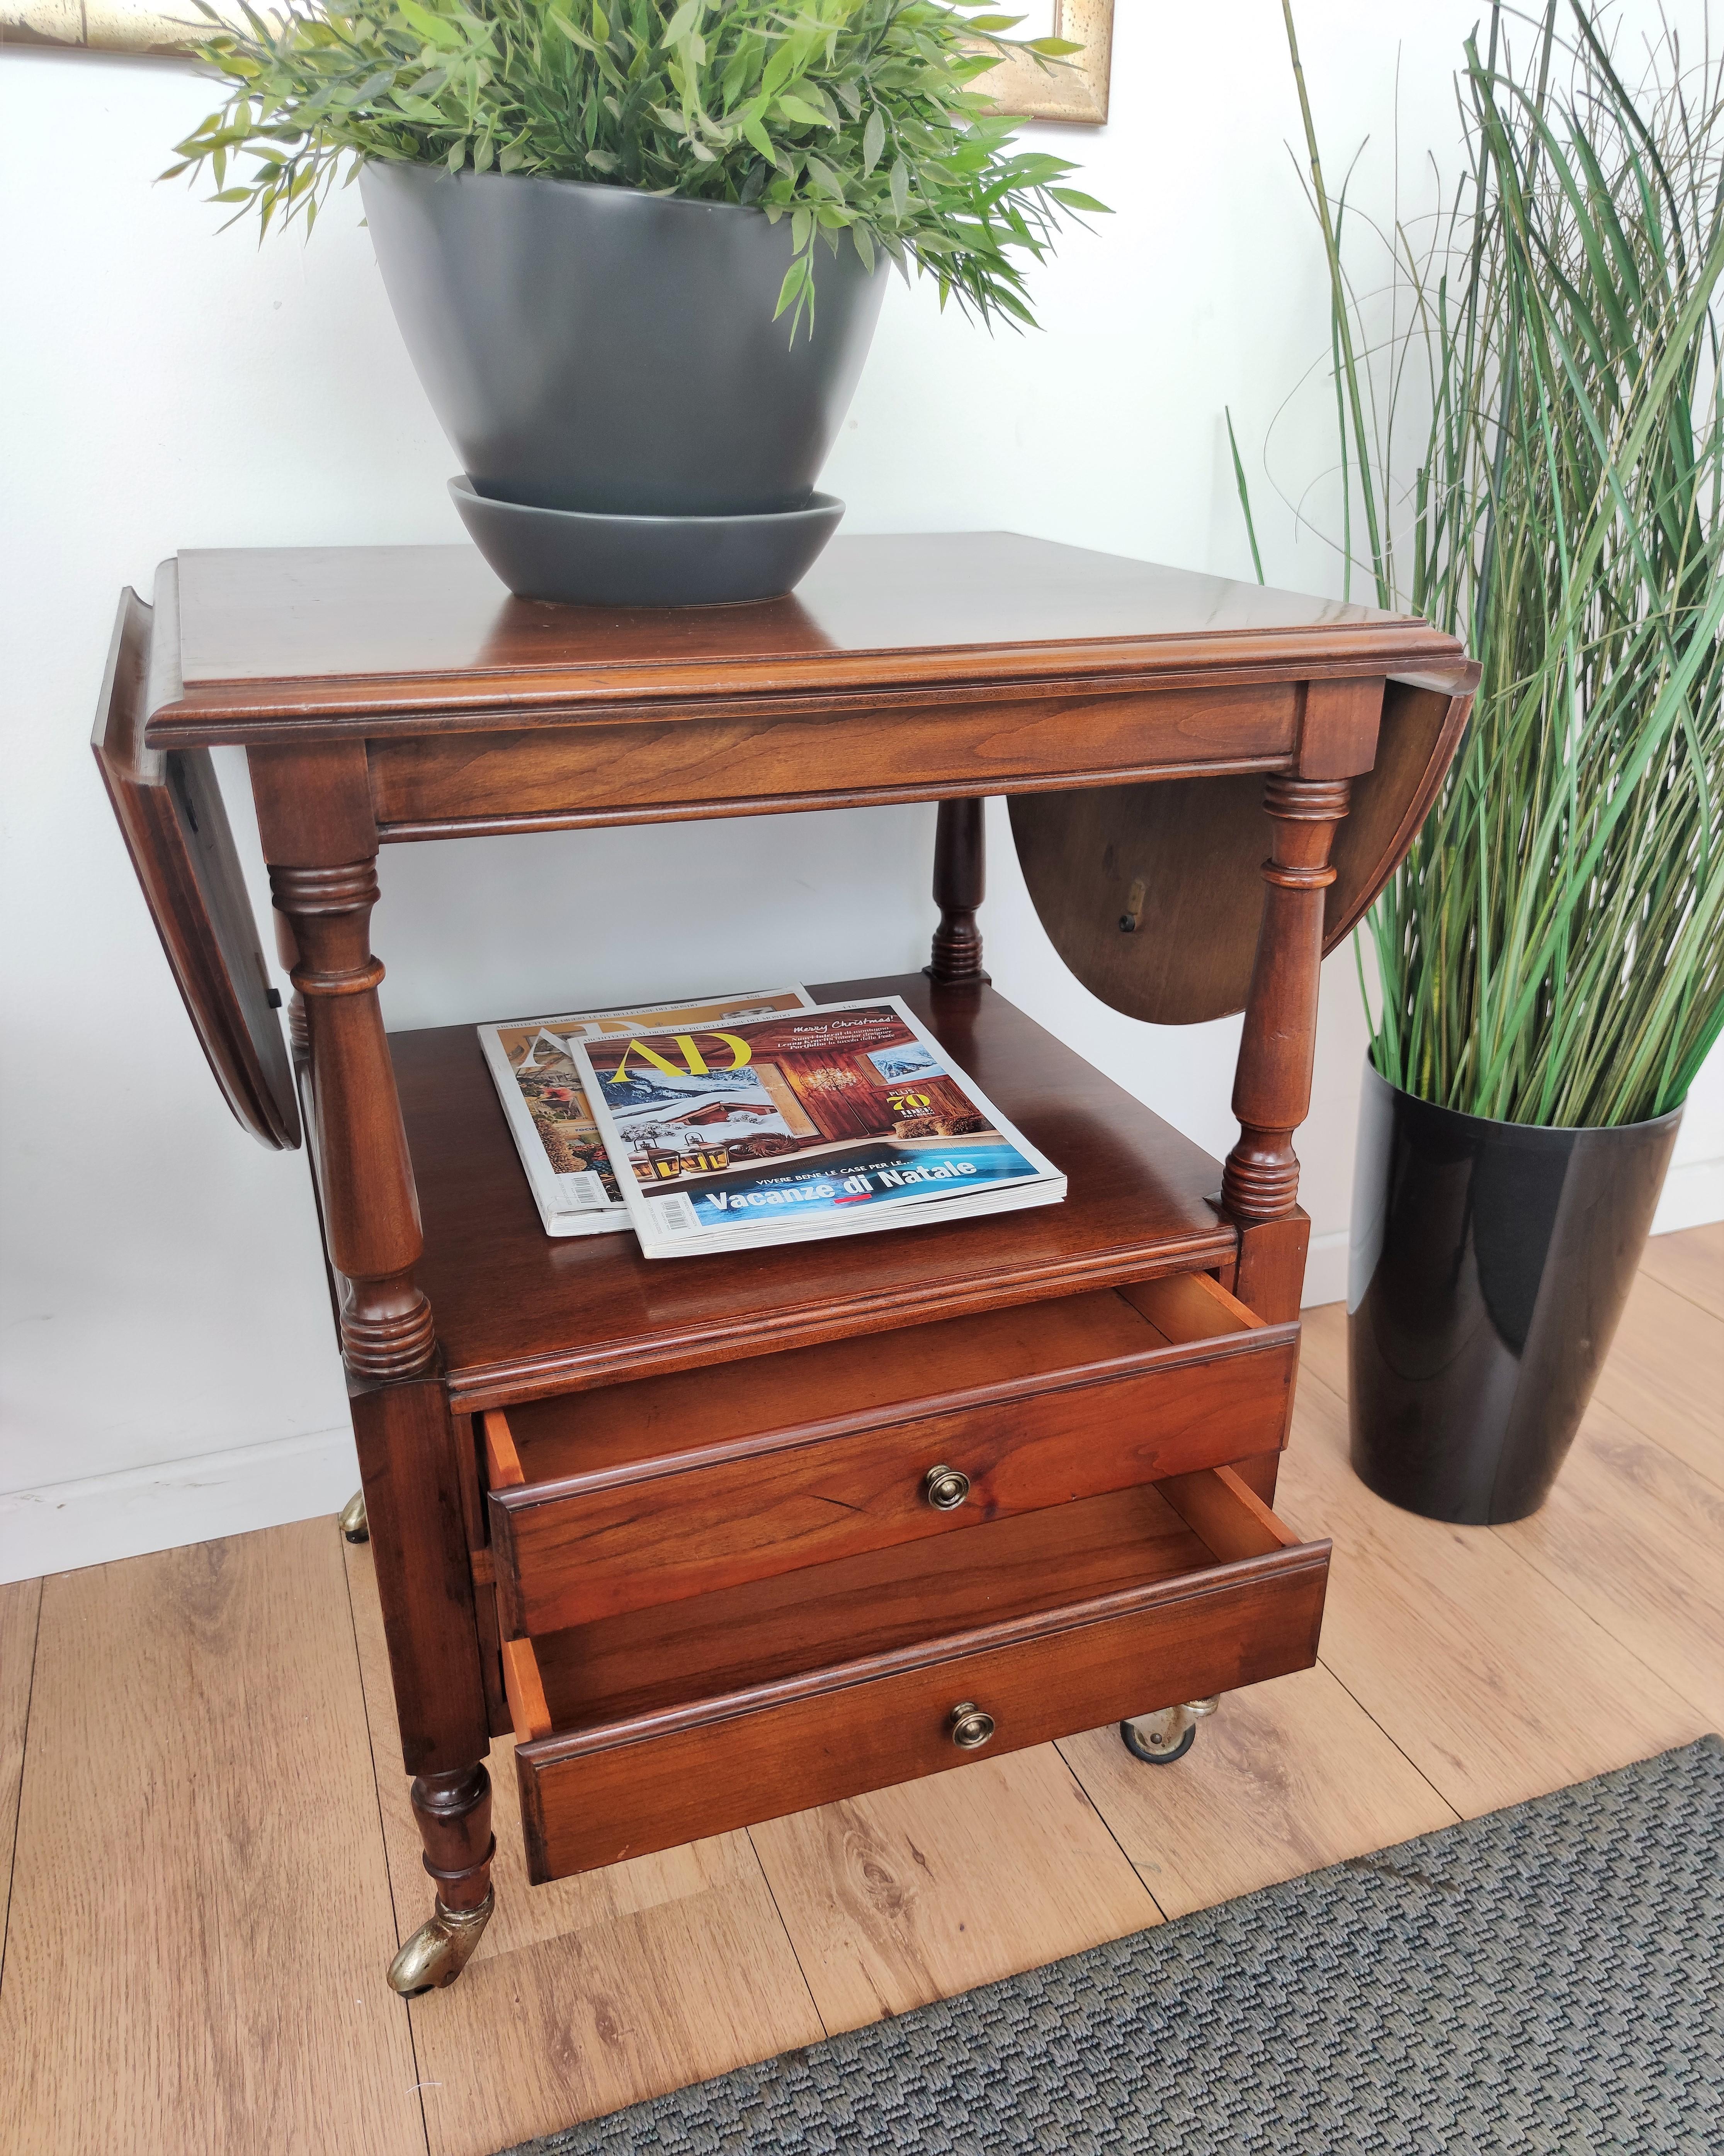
{"type": "Point", "coordinates": [637, 248]}
{"type": "Point", "coordinates": [1551, 955]}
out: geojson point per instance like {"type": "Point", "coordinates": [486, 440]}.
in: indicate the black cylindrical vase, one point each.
{"type": "Point", "coordinates": [1490, 1264]}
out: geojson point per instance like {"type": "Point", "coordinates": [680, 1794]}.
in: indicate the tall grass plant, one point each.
{"type": "Point", "coordinates": [1551, 950]}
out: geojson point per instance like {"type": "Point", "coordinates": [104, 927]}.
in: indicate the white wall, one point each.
{"type": "Point", "coordinates": [168, 1367]}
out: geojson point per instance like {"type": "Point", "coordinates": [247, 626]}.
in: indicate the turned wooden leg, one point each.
{"type": "Point", "coordinates": [418, 1476]}
{"type": "Point", "coordinates": [370, 1208]}
{"type": "Point", "coordinates": [960, 884]}
{"type": "Point", "coordinates": [454, 1811]}
{"type": "Point", "coordinates": [1271, 1094]}
{"type": "Point", "coordinates": [320, 842]}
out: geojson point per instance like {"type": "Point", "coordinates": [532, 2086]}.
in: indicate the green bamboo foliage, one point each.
{"type": "Point", "coordinates": [865, 122]}
{"type": "Point", "coordinates": [1552, 950]}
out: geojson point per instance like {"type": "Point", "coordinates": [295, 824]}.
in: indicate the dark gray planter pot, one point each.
{"type": "Point", "coordinates": [1490, 1264]}
{"type": "Point", "coordinates": [599, 349]}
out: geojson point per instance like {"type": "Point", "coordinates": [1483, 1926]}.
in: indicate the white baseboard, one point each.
{"type": "Point", "coordinates": [1693, 1195]}
{"type": "Point", "coordinates": [65, 1525]}
{"type": "Point", "coordinates": [1325, 1268]}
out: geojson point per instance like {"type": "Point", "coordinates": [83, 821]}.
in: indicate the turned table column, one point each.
{"type": "Point", "coordinates": [1271, 1095]}
{"type": "Point", "coordinates": [960, 885]}
{"type": "Point", "coordinates": [320, 843]}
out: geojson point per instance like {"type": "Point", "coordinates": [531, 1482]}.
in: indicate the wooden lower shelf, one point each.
{"type": "Point", "coordinates": [520, 1314]}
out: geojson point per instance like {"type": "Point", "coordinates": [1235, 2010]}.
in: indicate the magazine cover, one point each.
{"type": "Point", "coordinates": [573, 1183]}
{"type": "Point", "coordinates": [833, 1120]}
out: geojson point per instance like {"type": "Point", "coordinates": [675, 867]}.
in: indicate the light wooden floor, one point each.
{"type": "Point", "coordinates": [214, 1858]}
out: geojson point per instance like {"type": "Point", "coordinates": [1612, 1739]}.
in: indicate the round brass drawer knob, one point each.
{"type": "Point", "coordinates": [971, 1728]}
{"type": "Point", "coordinates": [945, 1488]}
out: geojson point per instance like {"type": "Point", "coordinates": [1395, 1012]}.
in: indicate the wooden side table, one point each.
{"type": "Point", "coordinates": [721, 1539]}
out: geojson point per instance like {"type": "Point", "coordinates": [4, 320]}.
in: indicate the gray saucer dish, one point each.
{"type": "Point", "coordinates": [584, 559]}
{"type": "Point", "coordinates": [598, 348]}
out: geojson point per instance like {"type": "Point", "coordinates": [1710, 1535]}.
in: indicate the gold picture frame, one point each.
{"type": "Point", "coordinates": [1075, 92]}
{"type": "Point", "coordinates": [166, 28]}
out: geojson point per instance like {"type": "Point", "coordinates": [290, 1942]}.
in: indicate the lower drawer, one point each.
{"type": "Point", "coordinates": [645, 1731]}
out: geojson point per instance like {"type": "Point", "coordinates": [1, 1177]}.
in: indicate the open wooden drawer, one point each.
{"type": "Point", "coordinates": [641, 1731]}
{"type": "Point", "coordinates": [605, 1501]}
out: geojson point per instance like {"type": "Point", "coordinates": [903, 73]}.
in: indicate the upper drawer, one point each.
{"type": "Point", "coordinates": [643, 1494]}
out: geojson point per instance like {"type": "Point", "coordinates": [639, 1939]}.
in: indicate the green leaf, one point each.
{"type": "Point", "coordinates": [437, 29]}
{"type": "Point", "coordinates": [574, 36]}
{"type": "Point", "coordinates": [795, 277]}
{"type": "Point", "coordinates": [756, 136]}
{"type": "Point", "coordinates": [715, 102]}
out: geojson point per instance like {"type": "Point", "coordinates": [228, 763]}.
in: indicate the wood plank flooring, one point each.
{"type": "Point", "coordinates": [19, 1604]}
{"type": "Point", "coordinates": [214, 1859]}
{"type": "Point", "coordinates": [199, 1895]}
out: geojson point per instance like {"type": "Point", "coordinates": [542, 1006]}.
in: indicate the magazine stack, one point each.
{"type": "Point", "coordinates": [532, 1065]}
{"type": "Point", "coordinates": [753, 1120]}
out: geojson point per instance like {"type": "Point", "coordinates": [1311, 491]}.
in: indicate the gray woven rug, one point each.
{"type": "Point", "coordinates": [1551, 1978]}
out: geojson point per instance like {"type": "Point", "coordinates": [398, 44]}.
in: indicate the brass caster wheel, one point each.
{"type": "Point", "coordinates": [1161, 1738]}
{"type": "Point", "coordinates": [439, 1950]}
{"type": "Point", "coordinates": [352, 1520]}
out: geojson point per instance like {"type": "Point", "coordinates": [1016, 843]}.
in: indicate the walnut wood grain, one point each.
{"type": "Point", "coordinates": [470, 1478]}
{"type": "Point", "coordinates": [396, 694]}
{"type": "Point", "coordinates": [414, 1468]}
{"type": "Point", "coordinates": [1152, 1620]}
{"type": "Point", "coordinates": [657, 1661]}
{"type": "Point", "coordinates": [520, 1314]}
{"type": "Point", "coordinates": [170, 812]}
{"type": "Point", "coordinates": [528, 1711]}
{"type": "Point", "coordinates": [1339, 726]}
{"type": "Point", "coordinates": [843, 1385]}
{"type": "Point", "coordinates": [314, 818]}
{"type": "Point", "coordinates": [812, 1482]}
{"type": "Point", "coordinates": [676, 765]}
{"type": "Point", "coordinates": [1190, 1307]}
{"type": "Point", "coordinates": [1189, 848]}
{"type": "Point", "coordinates": [1271, 1094]}
{"type": "Point", "coordinates": [1423, 721]}
{"type": "Point", "coordinates": [454, 1811]}
{"type": "Point", "coordinates": [503, 1467]}
{"type": "Point", "coordinates": [1229, 1516]}
{"type": "Point", "coordinates": [1270, 1273]}
{"type": "Point", "coordinates": [960, 885]}
{"type": "Point", "coordinates": [384, 641]}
